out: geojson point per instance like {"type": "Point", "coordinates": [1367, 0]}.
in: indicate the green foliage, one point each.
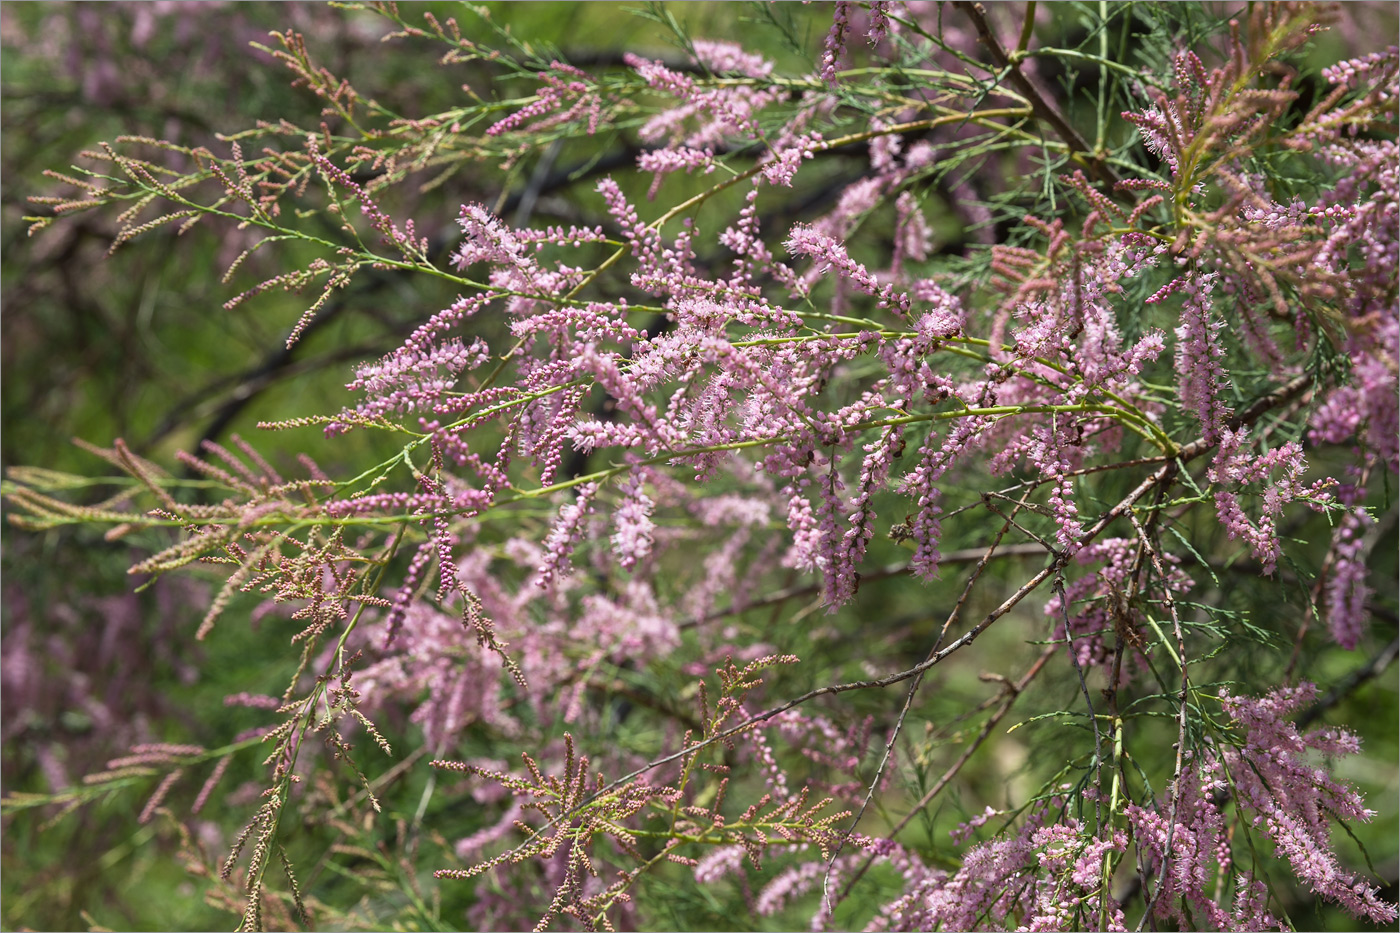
{"type": "Point", "coordinates": [140, 346]}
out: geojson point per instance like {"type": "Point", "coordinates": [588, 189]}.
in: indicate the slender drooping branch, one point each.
{"type": "Point", "coordinates": [1161, 475]}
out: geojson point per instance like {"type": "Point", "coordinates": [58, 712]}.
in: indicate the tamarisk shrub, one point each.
{"type": "Point", "coordinates": [1041, 345]}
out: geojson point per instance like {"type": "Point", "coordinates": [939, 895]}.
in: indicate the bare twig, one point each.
{"type": "Point", "coordinates": [1182, 699]}
{"type": "Point", "coordinates": [965, 556]}
{"type": "Point", "coordinates": [1162, 474]}
{"type": "Point", "coordinates": [1011, 693]}
{"type": "Point", "coordinates": [1039, 105]}
{"type": "Point", "coordinates": [911, 693]}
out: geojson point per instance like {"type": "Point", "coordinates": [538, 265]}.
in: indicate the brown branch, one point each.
{"type": "Point", "coordinates": [1011, 692]}
{"type": "Point", "coordinates": [913, 690]}
{"type": "Point", "coordinates": [1150, 900]}
{"type": "Point", "coordinates": [1163, 474]}
{"type": "Point", "coordinates": [1039, 105]}
{"type": "Point", "coordinates": [965, 556]}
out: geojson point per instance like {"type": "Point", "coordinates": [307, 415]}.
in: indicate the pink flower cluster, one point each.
{"type": "Point", "coordinates": [689, 417]}
{"type": "Point", "coordinates": [1272, 783]}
